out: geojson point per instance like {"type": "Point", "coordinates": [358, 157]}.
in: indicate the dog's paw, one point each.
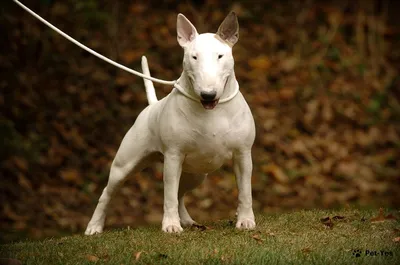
{"type": "Point", "coordinates": [93, 229]}
{"type": "Point", "coordinates": [187, 222]}
{"type": "Point", "coordinates": [171, 224]}
{"type": "Point", "coordinates": [246, 224]}
{"type": "Point", "coordinates": [172, 229]}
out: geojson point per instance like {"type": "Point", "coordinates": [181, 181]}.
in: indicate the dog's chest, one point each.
{"type": "Point", "coordinates": [206, 156]}
{"type": "Point", "coordinates": [210, 145]}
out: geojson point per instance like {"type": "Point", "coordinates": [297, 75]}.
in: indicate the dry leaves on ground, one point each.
{"type": "Point", "coordinates": [381, 217]}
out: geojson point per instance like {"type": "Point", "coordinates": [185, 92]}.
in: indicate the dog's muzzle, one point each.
{"type": "Point", "coordinates": [209, 104]}
{"type": "Point", "coordinates": [208, 99]}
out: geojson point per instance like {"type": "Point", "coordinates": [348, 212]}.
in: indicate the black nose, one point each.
{"type": "Point", "coordinates": [208, 95]}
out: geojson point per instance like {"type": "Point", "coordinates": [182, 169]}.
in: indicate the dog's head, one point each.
{"type": "Point", "coordinates": [208, 59]}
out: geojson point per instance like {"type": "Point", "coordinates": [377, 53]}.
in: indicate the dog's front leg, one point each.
{"type": "Point", "coordinates": [172, 172]}
{"type": "Point", "coordinates": [243, 167]}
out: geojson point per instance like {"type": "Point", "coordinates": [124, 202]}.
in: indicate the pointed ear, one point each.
{"type": "Point", "coordinates": [229, 29]}
{"type": "Point", "coordinates": [186, 31]}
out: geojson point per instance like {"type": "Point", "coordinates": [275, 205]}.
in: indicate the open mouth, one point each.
{"type": "Point", "coordinates": [209, 104]}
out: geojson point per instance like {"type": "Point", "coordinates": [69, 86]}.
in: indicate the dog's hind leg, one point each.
{"type": "Point", "coordinates": [96, 224]}
{"type": "Point", "coordinates": [130, 158]}
{"type": "Point", "coordinates": [187, 183]}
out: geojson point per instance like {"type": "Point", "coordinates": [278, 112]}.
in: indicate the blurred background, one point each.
{"type": "Point", "coordinates": [321, 77]}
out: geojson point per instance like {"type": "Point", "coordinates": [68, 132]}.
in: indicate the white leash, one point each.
{"type": "Point", "coordinates": [129, 70]}
{"type": "Point", "coordinates": [92, 51]}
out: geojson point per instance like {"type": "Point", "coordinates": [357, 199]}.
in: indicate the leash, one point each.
{"type": "Point", "coordinates": [92, 51]}
{"type": "Point", "coordinates": [129, 70]}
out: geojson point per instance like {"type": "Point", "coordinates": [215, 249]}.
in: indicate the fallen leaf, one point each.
{"type": "Point", "coordinates": [327, 221]}
{"type": "Point", "coordinates": [131, 55]}
{"type": "Point", "coordinates": [287, 93]}
{"type": "Point", "coordinates": [92, 258]}
{"type": "Point", "coordinates": [289, 64]}
{"type": "Point", "coordinates": [126, 96]}
{"type": "Point", "coordinates": [258, 238]}
{"type": "Point", "coordinates": [21, 163]}
{"type": "Point", "coordinates": [306, 250]}
{"type": "Point", "coordinates": [379, 218]}
{"type": "Point", "coordinates": [276, 172]}
{"type": "Point", "coordinates": [71, 175]}
{"type": "Point", "coordinates": [338, 217]}
{"type": "Point", "coordinates": [137, 8]}
{"type": "Point", "coordinates": [123, 80]}
{"type": "Point", "coordinates": [390, 217]}
{"type": "Point", "coordinates": [59, 9]}
{"type": "Point", "coordinates": [137, 255]}
{"type": "Point", "coordinates": [100, 75]}
{"type": "Point", "coordinates": [396, 239]}
{"type": "Point", "coordinates": [200, 227]}
{"type": "Point", "coordinates": [11, 214]}
{"type": "Point", "coordinates": [20, 225]}
{"type": "Point", "coordinates": [24, 182]}
{"type": "Point", "coordinates": [261, 62]}
{"type": "Point", "coordinates": [105, 257]}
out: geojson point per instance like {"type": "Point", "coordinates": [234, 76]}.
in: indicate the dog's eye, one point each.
{"type": "Point", "coordinates": [194, 57]}
{"type": "Point", "coordinates": [220, 56]}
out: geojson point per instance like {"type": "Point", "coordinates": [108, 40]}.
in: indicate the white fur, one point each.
{"type": "Point", "coordinates": [194, 141]}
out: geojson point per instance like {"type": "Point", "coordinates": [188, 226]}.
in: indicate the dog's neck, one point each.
{"type": "Point", "coordinates": [229, 89]}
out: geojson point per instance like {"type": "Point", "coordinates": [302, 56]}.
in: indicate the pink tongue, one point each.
{"type": "Point", "coordinates": [209, 104]}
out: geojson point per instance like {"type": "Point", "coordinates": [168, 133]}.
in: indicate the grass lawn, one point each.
{"type": "Point", "coordinates": [298, 237]}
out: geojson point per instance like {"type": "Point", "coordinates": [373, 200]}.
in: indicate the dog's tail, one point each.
{"type": "Point", "coordinates": [150, 91]}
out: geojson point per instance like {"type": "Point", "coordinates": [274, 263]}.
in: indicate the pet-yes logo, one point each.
{"type": "Point", "coordinates": [357, 253]}
{"type": "Point", "coordinates": [372, 253]}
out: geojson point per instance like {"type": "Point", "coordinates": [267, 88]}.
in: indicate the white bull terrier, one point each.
{"type": "Point", "coordinates": [203, 122]}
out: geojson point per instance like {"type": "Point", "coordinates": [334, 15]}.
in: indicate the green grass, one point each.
{"type": "Point", "coordinates": [297, 237]}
